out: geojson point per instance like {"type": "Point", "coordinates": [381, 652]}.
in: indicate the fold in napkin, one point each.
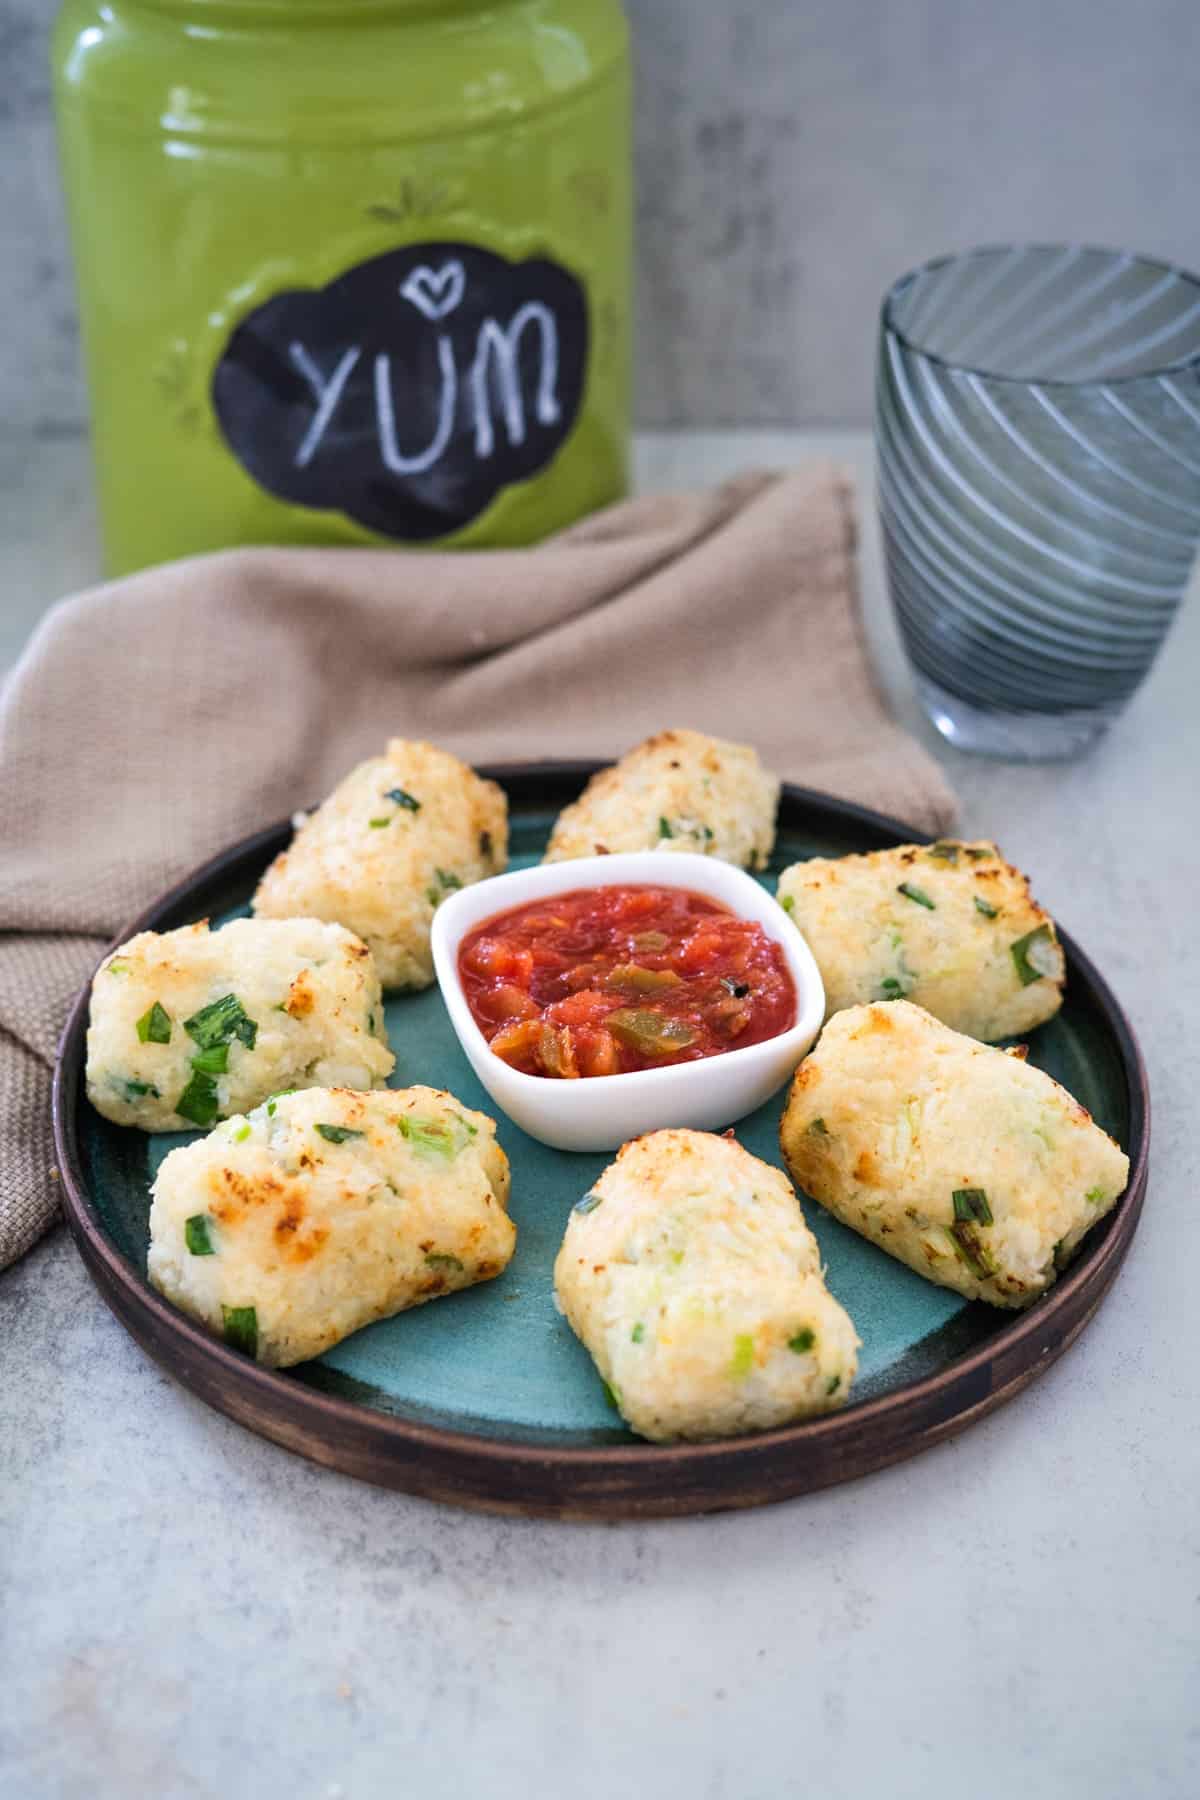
{"type": "Point", "coordinates": [154, 720]}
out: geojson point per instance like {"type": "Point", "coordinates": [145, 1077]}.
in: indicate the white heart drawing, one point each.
{"type": "Point", "coordinates": [435, 292]}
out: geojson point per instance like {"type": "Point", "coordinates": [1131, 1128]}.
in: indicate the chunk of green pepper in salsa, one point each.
{"type": "Point", "coordinates": [609, 980]}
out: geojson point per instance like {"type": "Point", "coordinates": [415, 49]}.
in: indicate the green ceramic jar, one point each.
{"type": "Point", "coordinates": [350, 271]}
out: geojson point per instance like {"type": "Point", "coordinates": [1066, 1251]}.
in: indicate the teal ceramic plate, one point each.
{"type": "Point", "coordinates": [486, 1397]}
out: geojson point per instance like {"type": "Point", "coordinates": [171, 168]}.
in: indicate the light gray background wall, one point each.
{"type": "Point", "coordinates": [793, 156]}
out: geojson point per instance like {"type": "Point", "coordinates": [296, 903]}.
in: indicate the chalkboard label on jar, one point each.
{"type": "Point", "coordinates": [409, 391]}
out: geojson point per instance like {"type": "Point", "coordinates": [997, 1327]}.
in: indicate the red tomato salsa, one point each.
{"type": "Point", "coordinates": [612, 979]}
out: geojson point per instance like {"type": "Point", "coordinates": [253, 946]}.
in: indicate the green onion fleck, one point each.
{"type": "Point", "coordinates": [803, 1340]}
{"type": "Point", "coordinates": [239, 1137]}
{"type": "Point", "coordinates": [972, 1203]}
{"type": "Point", "coordinates": [137, 1090]}
{"type": "Point", "coordinates": [118, 966]}
{"type": "Point", "coordinates": [224, 1019]}
{"type": "Point", "coordinates": [977, 854]}
{"type": "Point", "coordinates": [337, 1134]}
{"type": "Point", "coordinates": [835, 1382]}
{"type": "Point", "coordinates": [589, 1203]}
{"type": "Point", "coordinates": [664, 829]}
{"type": "Point", "coordinates": [213, 1061]}
{"type": "Point", "coordinates": [1037, 955]}
{"type": "Point", "coordinates": [1094, 1196]}
{"type": "Point", "coordinates": [241, 1328]}
{"type": "Point", "coordinates": [892, 989]}
{"type": "Point", "coordinates": [945, 850]}
{"type": "Point", "coordinates": [436, 1137]}
{"type": "Point", "coordinates": [818, 1128]}
{"type": "Point", "coordinates": [788, 903]}
{"type": "Point", "coordinates": [612, 1393]}
{"type": "Point", "coordinates": [196, 1235]}
{"type": "Point", "coordinates": [437, 1260]}
{"type": "Point", "coordinates": [403, 798]}
{"type": "Point", "coordinates": [276, 1097]}
{"type": "Point", "coordinates": [911, 892]}
{"type": "Point", "coordinates": [371, 1023]}
{"type": "Point", "coordinates": [447, 883]}
{"type": "Point", "coordinates": [154, 1026]}
{"type": "Point", "coordinates": [743, 1356]}
{"type": "Point", "coordinates": [638, 1333]}
{"type": "Point", "coordinates": [378, 824]}
{"type": "Point", "coordinates": [985, 907]}
{"type": "Point", "coordinates": [971, 1249]}
{"type": "Point", "coordinates": [198, 1101]}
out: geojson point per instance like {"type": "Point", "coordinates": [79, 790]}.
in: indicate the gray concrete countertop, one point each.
{"type": "Point", "coordinates": [192, 1612]}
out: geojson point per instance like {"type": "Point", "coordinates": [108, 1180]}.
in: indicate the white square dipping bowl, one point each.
{"type": "Point", "coordinates": [601, 1112]}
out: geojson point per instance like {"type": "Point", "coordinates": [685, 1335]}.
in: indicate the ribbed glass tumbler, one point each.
{"type": "Point", "coordinates": [1038, 449]}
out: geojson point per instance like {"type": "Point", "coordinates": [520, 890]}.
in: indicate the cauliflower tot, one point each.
{"type": "Point", "coordinates": [974, 1168]}
{"type": "Point", "coordinates": [680, 790]}
{"type": "Point", "coordinates": [950, 926]}
{"type": "Point", "coordinates": [189, 1026]}
{"type": "Point", "coordinates": [382, 852]}
{"type": "Point", "coordinates": [690, 1276]}
{"type": "Point", "coordinates": [322, 1211]}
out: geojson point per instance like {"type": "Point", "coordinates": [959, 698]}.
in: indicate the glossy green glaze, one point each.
{"type": "Point", "coordinates": [497, 1360]}
{"type": "Point", "coordinates": [219, 153]}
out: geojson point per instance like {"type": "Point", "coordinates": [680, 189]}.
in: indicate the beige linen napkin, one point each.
{"type": "Point", "coordinates": [155, 720]}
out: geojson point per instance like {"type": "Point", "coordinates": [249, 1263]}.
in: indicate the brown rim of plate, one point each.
{"type": "Point", "coordinates": [638, 1480]}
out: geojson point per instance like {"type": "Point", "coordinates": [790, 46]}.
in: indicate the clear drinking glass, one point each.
{"type": "Point", "coordinates": [1038, 448]}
